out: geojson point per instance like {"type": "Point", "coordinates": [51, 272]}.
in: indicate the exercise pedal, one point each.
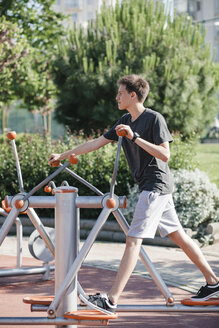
{"type": "Point", "coordinates": [38, 300]}
{"type": "Point", "coordinates": [81, 315]}
{"type": "Point", "coordinates": [210, 301]}
{"type": "Point", "coordinates": [90, 315]}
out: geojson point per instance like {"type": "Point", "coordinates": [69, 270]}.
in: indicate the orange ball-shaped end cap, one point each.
{"type": "Point", "coordinates": [170, 300]}
{"type": "Point", "coordinates": [73, 159]}
{"type": "Point", "coordinates": [47, 189]}
{"type": "Point", "coordinates": [111, 203]}
{"type": "Point", "coordinates": [55, 163]}
{"type": "Point", "coordinates": [19, 203]}
{"type": "Point", "coordinates": [121, 133]}
{"type": "Point", "coordinates": [11, 135]}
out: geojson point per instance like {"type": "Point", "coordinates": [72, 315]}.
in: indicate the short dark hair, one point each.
{"type": "Point", "coordinates": [137, 84]}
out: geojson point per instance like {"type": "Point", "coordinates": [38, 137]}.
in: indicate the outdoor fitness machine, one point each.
{"type": "Point", "coordinates": [62, 308]}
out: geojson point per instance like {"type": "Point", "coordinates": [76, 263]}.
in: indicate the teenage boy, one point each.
{"type": "Point", "coordinates": [146, 147]}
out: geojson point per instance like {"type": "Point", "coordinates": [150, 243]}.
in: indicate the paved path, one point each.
{"type": "Point", "coordinates": [97, 274]}
{"type": "Point", "coordinates": [172, 264]}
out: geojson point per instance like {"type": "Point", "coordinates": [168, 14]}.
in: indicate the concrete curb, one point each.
{"type": "Point", "coordinates": [111, 231]}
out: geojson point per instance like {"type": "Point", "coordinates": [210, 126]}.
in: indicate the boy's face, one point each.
{"type": "Point", "coordinates": [123, 98]}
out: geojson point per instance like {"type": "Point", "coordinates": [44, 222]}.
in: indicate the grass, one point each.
{"type": "Point", "coordinates": [208, 160]}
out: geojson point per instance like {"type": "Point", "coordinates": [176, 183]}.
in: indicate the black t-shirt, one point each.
{"type": "Point", "coordinates": [149, 172]}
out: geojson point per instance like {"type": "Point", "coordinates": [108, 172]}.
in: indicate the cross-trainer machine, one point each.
{"type": "Point", "coordinates": [62, 308]}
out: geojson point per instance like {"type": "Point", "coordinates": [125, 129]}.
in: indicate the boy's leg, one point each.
{"type": "Point", "coordinates": [144, 225]}
{"type": "Point", "coordinates": [126, 267]}
{"type": "Point", "coordinates": [147, 214]}
{"type": "Point", "coordinates": [192, 250]}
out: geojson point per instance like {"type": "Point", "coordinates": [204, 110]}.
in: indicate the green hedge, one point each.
{"type": "Point", "coordinates": [95, 167]}
{"type": "Point", "coordinates": [34, 151]}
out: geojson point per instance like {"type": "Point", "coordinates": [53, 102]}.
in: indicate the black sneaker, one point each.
{"type": "Point", "coordinates": [101, 301]}
{"type": "Point", "coordinates": [205, 292]}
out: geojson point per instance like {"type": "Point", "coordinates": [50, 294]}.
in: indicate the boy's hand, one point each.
{"type": "Point", "coordinates": [54, 158]}
{"type": "Point", "coordinates": [128, 130]}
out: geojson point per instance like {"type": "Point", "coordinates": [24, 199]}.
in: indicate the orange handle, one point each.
{"type": "Point", "coordinates": [47, 189]}
{"type": "Point", "coordinates": [55, 163]}
{"type": "Point", "coordinates": [121, 133]}
{"type": "Point", "coordinates": [5, 206]}
{"type": "Point", "coordinates": [11, 135]}
{"type": "Point", "coordinates": [73, 159]}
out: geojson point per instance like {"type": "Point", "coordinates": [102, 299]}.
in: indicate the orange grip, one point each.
{"type": "Point", "coordinates": [55, 163]}
{"type": "Point", "coordinates": [47, 189]}
{"type": "Point", "coordinates": [121, 133]}
{"type": "Point", "coordinates": [5, 206]}
{"type": "Point", "coordinates": [11, 135]}
{"type": "Point", "coordinates": [73, 159]}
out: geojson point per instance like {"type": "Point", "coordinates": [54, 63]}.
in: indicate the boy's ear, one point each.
{"type": "Point", "coordinates": [133, 94]}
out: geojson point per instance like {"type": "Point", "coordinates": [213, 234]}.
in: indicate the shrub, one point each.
{"type": "Point", "coordinates": [34, 150]}
{"type": "Point", "coordinates": [196, 199]}
{"type": "Point", "coordinates": [183, 153]}
{"type": "Point", "coordinates": [95, 167]}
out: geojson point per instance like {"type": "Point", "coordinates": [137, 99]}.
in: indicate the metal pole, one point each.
{"type": "Point", "coordinates": [20, 180]}
{"type": "Point", "coordinates": [45, 181]}
{"type": "Point", "coordinates": [112, 185]}
{"type": "Point", "coordinates": [66, 238]}
{"type": "Point", "coordinates": [164, 308]}
{"type": "Point", "coordinates": [78, 261]}
{"type": "Point", "coordinates": [146, 260]}
{"type": "Point", "coordinates": [33, 321]}
{"type": "Point", "coordinates": [41, 229]}
{"type": "Point", "coordinates": [81, 201]}
{"type": "Point", "coordinates": [24, 271]}
{"type": "Point", "coordinates": [19, 231]}
{"type": "Point", "coordinates": [8, 223]}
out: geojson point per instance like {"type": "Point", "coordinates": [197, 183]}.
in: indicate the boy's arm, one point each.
{"type": "Point", "coordinates": [161, 151]}
{"type": "Point", "coordinates": [87, 147]}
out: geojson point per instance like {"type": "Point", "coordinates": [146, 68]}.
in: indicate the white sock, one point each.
{"type": "Point", "coordinates": [213, 286]}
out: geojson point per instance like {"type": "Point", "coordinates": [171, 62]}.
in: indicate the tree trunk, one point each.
{"type": "Point", "coordinates": [45, 128]}
{"type": "Point", "coordinates": [50, 123]}
{"type": "Point", "coordinates": [5, 110]}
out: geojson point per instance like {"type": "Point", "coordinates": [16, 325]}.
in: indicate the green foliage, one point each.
{"type": "Point", "coordinates": [41, 28]}
{"type": "Point", "coordinates": [131, 38]}
{"type": "Point", "coordinates": [208, 160]}
{"type": "Point", "coordinates": [183, 152]}
{"type": "Point", "coordinates": [196, 199]}
{"type": "Point", "coordinates": [95, 167]}
{"type": "Point", "coordinates": [41, 25]}
{"type": "Point", "coordinates": [34, 151]}
{"type": "Point", "coordinates": [13, 51]}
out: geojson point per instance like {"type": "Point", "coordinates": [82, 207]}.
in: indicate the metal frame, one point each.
{"type": "Point", "coordinates": [20, 270]}
{"type": "Point", "coordinates": [66, 276]}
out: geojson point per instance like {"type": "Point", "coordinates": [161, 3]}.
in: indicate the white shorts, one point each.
{"type": "Point", "coordinates": [154, 212]}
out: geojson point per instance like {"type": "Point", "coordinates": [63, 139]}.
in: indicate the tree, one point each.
{"type": "Point", "coordinates": [42, 27]}
{"type": "Point", "coordinates": [13, 51]}
{"type": "Point", "coordinates": [133, 37]}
